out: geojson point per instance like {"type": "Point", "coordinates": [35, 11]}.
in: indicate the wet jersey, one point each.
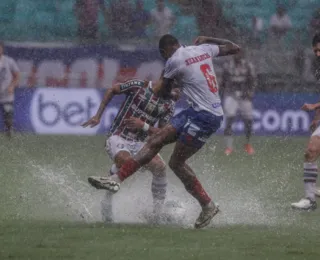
{"type": "Point", "coordinates": [192, 67]}
{"type": "Point", "coordinates": [140, 102]}
{"type": "Point", "coordinates": [239, 78]}
{"type": "Point", "coordinates": [7, 66]}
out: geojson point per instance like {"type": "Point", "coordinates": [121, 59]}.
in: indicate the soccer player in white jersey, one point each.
{"type": "Point", "coordinates": [192, 68]}
{"type": "Point", "coordinates": [310, 171]}
{"type": "Point", "coordinates": [9, 80]}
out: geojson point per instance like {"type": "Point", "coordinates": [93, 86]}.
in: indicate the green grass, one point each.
{"type": "Point", "coordinates": [43, 190]}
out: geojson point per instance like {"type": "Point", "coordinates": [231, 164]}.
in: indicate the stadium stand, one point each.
{"type": "Point", "coordinates": [47, 20]}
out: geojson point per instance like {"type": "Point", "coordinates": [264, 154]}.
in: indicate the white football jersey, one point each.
{"type": "Point", "coordinates": [7, 66]}
{"type": "Point", "coordinates": [192, 67]}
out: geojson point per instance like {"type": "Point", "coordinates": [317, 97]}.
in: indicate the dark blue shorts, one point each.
{"type": "Point", "coordinates": [194, 128]}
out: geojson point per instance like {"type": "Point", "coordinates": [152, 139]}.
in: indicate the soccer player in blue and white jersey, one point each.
{"type": "Point", "coordinates": [310, 171]}
{"type": "Point", "coordinates": [192, 68]}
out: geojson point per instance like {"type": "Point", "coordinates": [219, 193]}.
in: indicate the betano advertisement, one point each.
{"type": "Point", "coordinates": [62, 111]}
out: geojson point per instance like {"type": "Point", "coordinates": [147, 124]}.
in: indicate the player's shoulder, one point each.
{"type": "Point", "coordinates": [206, 46]}
{"type": "Point", "coordinates": [132, 83]}
{"type": "Point", "coordinates": [179, 55]}
{"type": "Point", "coordinates": [172, 61]}
{"type": "Point", "coordinates": [8, 58]}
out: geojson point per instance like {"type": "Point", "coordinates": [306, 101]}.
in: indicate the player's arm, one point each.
{"type": "Point", "coordinates": [311, 107]}
{"type": "Point", "coordinates": [163, 88]}
{"type": "Point", "coordinates": [252, 80]}
{"type": "Point", "coordinates": [164, 120]}
{"type": "Point", "coordinates": [224, 78]}
{"type": "Point", "coordinates": [136, 123]}
{"type": "Point", "coordinates": [226, 47]}
{"type": "Point", "coordinates": [315, 122]}
{"type": "Point", "coordinates": [107, 97]}
{"type": "Point", "coordinates": [117, 89]}
{"type": "Point", "coordinates": [15, 76]}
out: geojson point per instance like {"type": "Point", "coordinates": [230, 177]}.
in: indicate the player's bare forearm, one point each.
{"type": "Point", "coordinates": [157, 87]}
{"type": "Point", "coordinates": [108, 95]}
{"type": "Point", "coordinates": [153, 130]}
{"type": "Point", "coordinates": [317, 114]}
{"type": "Point", "coordinates": [311, 107]}
{"type": "Point", "coordinates": [136, 123]}
{"type": "Point", "coordinates": [163, 87]}
{"type": "Point", "coordinates": [226, 47]}
{"type": "Point", "coordinates": [212, 40]}
{"type": "Point", "coordinates": [15, 80]}
{"type": "Point", "coordinates": [251, 87]}
{"type": "Point", "coordinates": [317, 107]}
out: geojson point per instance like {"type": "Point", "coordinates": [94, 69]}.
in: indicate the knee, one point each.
{"type": "Point", "coordinates": [159, 171]}
{"type": "Point", "coordinates": [248, 122]}
{"type": "Point", "coordinates": [228, 129]}
{"type": "Point", "coordinates": [311, 153]}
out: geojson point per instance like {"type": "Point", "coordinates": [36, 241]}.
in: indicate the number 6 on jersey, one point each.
{"type": "Point", "coordinates": [211, 79]}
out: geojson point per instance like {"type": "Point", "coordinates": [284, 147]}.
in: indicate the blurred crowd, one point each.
{"type": "Point", "coordinates": [129, 19]}
{"type": "Point", "coordinates": [123, 19]}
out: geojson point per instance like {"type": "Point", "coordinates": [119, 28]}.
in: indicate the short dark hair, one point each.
{"type": "Point", "coordinates": [316, 39]}
{"type": "Point", "coordinates": [167, 40]}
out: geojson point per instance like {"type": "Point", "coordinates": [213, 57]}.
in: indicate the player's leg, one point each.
{"type": "Point", "coordinates": [119, 152]}
{"type": "Point", "coordinates": [157, 167]}
{"type": "Point", "coordinates": [152, 147]}
{"type": "Point", "coordinates": [310, 173]}
{"type": "Point", "coordinates": [246, 110]}
{"type": "Point", "coordinates": [177, 163]}
{"type": "Point", "coordinates": [228, 135]}
{"type": "Point", "coordinates": [154, 144]}
{"type": "Point", "coordinates": [198, 128]}
{"type": "Point", "coordinates": [230, 109]}
{"type": "Point", "coordinates": [8, 118]}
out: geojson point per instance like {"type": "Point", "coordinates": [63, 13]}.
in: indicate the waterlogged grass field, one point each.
{"type": "Point", "coordinates": [48, 211]}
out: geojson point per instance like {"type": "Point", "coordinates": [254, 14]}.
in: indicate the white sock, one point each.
{"type": "Point", "coordinates": [113, 173]}
{"type": "Point", "coordinates": [159, 191]}
{"type": "Point", "coordinates": [116, 178]}
{"type": "Point", "coordinates": [106, 203]}
{"type": "Point", "coordinates": [229, 141]}
{"type": "Point", "coordinates": [114, 169]}
{"type": "Point", "coordinates": [106, 207]}
{"type": "Point", "coordinates": [310, 175]}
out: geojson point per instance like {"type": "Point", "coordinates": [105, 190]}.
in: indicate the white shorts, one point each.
{"type": "Point", "coordinates": [232, 105]}
{"type": "Point", "coordinates": [116, 143]}
{"type": "Point", "coordinates": [316, 132]}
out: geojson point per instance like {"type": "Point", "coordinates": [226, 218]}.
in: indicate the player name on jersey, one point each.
{"type": "Point", "coordinates": [197, 59]}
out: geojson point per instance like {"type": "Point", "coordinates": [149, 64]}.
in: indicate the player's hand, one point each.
{"type": "Point", "coordinates": [92, 122]}
{"type": "Point", "coordinates": [314, 124]}
{"type": "Point", "coordinates": [134, 123]}
{"type": "Point", "coordinates": [309, 107]}
{"type": "Point", "coordinates": [250, 95]}
{"type": "Point", "coordinates": [11, 90]}
{"type": "Point", "coordinates": [175, 94]}
{"type": "Point", "coordinates": [200, 40]}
